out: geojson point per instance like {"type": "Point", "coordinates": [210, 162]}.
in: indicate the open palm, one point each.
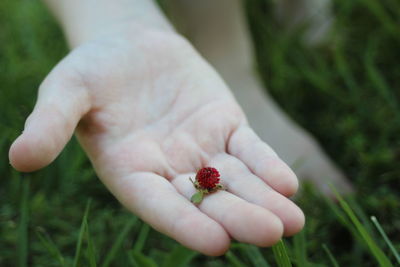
{"type": "Point", "coordinates": [150, 112]}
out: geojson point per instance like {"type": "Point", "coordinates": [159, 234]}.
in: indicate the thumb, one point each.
{"type": "Point", "coordinates": [62, 101]}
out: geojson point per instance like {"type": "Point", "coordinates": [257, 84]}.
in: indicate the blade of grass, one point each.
{"type": "Point", "coordinates": [81, 234]}
{"type": "Point", "coordinates": [344, 220]}
{"type": "Point", "coordinates": [142, 260]}
{"type": "Point", "coordinates": [22, 249]}
{"type": "Point", "coordinates": [377, 79]}
{"type": "Point", "coordinates": [373, 247]}
{"type": "Point", "coordinates": [385, 19]}
{"type": "Point", "coordinates": [50, 246]}
{"type": "Point", "coordinates": [345, 71]}
{"type": "Point", "coordinates": [253, 253]}
{"type": "Point", "coordinates": [256, 256]}
{"type": "Point", "coordinates": [385, 237]}
{"type": "Point", "coordinates": [90, 251]}
{"type": "Point", "coordinates": [118, 242]}
{"type": "Point", "coordinates": [131, 260]}
{"type": "Point", "coordinates": [330, 256]}
{"type": "Point", "coordinates": [179, 257]}
{"type": "Point", "coordinates": [362, 217]}
{"type": "Point", "coordinates": [300, 251]}
{"type": "Point", "coordinates": [233, 260]}
{"type": "Point", "coordinates": [281, 255]}
{"type": "Point", "coordinates": [144, 232]}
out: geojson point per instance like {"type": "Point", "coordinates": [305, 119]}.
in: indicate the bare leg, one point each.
{"type": "Point", "coordinates": [218, 30]}
{"type": "Point", "coordinates": [315, 13]}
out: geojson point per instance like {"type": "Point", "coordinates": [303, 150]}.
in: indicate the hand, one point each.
{"type": "Point", "coordinates": [149, 112]}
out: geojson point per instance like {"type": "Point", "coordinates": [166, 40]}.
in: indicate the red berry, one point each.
{"type": "Point", "coordinates": [208, 177]}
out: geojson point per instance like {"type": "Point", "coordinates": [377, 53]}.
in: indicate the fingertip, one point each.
{"type": "Point", "coordinates": [16, 156]}
{"type": "Point", "coordinates": [272, 232]}
{"type": "Point", "coordinates": [278, 175]}
{"type": "Point", "coordinates": [204, 235]}
{"type": "Point", "coordinates": [219, 247]}
{"type": "Point", "coordinates": [295, 223]}
{"type": "Point", "coordinates": [220, 243]}
{"type": "Point", "coordinates": [259, 226]}
{"type": "Point", "coordinates": [288, 185]}
{"type": "Point", "coordinates": [291, 216]}
{"type": "Point", "coordinates": [25, 158]}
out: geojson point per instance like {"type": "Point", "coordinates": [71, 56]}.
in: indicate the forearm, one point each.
{"type": "Point", "coordinates": [83, 20]}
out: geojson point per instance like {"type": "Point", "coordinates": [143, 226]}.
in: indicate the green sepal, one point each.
{"type": "Point", "coordinates": [220, 187]}
{"type": "Point", "coordinates": [197, 197]}
{"type": "Point", "coordinates": [216, 188]}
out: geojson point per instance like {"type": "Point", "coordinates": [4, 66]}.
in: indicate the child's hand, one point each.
{"type": "Point", "coordinates": [151, 112]}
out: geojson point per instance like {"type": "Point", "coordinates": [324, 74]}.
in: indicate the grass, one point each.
{"type": "Point", "coordinates": [181, 256]}
{"type": "Point", "coordinates": [82, 232]}
{"type": "Point", "coordinates": [281, 255]}
{"type": "Point", "coordinates": [345, 93]}
{"type": "Point", "coordinates": [387, 240]}
{"type": "Point", "coordinates": [378, 254]}
{"type": "Point", "coordinates": [48, 243]}
{"type": "Point", "coordinates": [332, 259]}
{"type": "Point", "coordinates": [22, 249]}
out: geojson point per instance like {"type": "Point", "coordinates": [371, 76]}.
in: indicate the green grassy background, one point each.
{"type": "Point", "coordinates": [345, 92]}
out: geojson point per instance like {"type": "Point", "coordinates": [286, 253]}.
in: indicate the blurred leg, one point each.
{"type": "Point", "coordinates": [218, 30]}
{"type": "Point", "coordinates": [316, 14]}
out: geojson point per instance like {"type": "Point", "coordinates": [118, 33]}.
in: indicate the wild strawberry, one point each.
{"type": "Point", "coordinates": [207, 177]}
{"type": "Point", "coordinates": [206, 182]}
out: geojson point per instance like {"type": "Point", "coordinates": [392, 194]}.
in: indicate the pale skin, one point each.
{"type": "Point", "coordinates": [149, 112]}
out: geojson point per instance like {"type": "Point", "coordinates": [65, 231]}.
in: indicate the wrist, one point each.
{"type": "Point", "coordinates": [87, 20]}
